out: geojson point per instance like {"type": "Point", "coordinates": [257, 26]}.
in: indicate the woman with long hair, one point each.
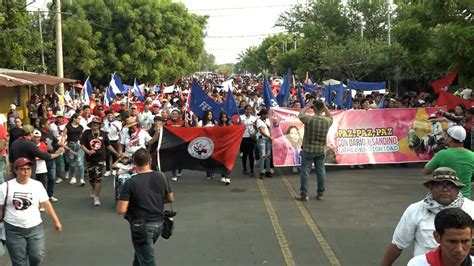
{"type": "Point", "coordinates": [72, 133]}
{"type": "Point", "coordinates": [207, 121]}
{"type": "Point", "coordinates": [247, 146]}
{"type": "Point", "coordinates": [174, 121]}
{"type": "Point", "coordinates": [224, 120]}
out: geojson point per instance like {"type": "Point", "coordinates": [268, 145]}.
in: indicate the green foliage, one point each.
{"type": "Point", "coordinates": [207, 62]}
{"type": "Point", "coordinates": [19, 38]}
{"type": "Point", "coordinates": [225, 69]}
{"type": "Point", "coordinates": [151, 40]}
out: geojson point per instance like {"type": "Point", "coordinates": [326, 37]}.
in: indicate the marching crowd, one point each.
{"type": "Point", "coordinates": [76, 141]}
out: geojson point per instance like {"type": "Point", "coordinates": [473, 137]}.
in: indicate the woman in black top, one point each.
{"type": "Point", "coordinates": [15, 132]}
{"type": "Point", "coordinates": [73, 132]}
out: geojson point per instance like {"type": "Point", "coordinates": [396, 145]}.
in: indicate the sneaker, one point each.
{"type": "Point", "coordinates": [319, 197]}
{"type": "Point", "coordinates": [67, 175]}
{"type": "Point", "coordinates": [73, 181]}
{"type": "Point", "coordinates": [174, 178]}
{"type": "Point", "coordinates": [53, 199]}
{"type": "Point", "coordinates": [223, 179]}
{"type": "Point", "coordinates": [179, 174]}
{"type": "Point", "coordinates": [96, 201]}
{"type": "Point", "coordinates": [269, 174]}
{"type": "Point", "coordinates": [209, 177]}
{"type": "Point", "coordinates": [302, 198]}
{"type": "Point", "coordinates": [82, 183]}
{"type": "Point", "coordinates": [108, 173]}
{"type": "Point", "coordinates": [295, 170]}
{"type": "Point", "coordinates": [42, 209]}
{"type": "Point", "coordinates": [227, 181]}
{"type": "Point", "coordinates": [58, 180]}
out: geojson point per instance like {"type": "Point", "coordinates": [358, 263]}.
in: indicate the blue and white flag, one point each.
{"type": "Point", "coordinates": [137, 92]}
{"type": "Point", "coordinates": [201, 102]}
{"type": "Point", "coordinates": [300, 97]}
{"type": "Point", "coordinates": [108, 96]}
{"type": "Point", "coordinates": [284, 93]}
{"type": "Point", "coordinates": [86, 91]}
{"type": "Point", "coordinates": [116, 85]}
{"type": "Point", "coordinates": [268, 97]}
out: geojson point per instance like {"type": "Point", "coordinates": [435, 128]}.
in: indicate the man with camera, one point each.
{"type": "Point", "coordinates": [417, 222]}
{"type": "Point", "coordinates": [142, 202]}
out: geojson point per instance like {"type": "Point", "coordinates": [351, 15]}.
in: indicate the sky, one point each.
{"type": "Point", "coordinates": [233, 25]}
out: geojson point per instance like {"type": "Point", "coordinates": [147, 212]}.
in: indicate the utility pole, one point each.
{"type": "Point", "coordinates": [389, 24]}
{"type": "Point", "coordinates": [42, 46]}
{"type": "Point", "coordinates": [59, 47]}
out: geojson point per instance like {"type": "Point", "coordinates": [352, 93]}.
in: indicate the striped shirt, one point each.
{"type": "Point", "coordinates": [315, 132]}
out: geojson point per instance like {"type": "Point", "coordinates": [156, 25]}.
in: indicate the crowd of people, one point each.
{"type": "Point", "coordinates": [71, 140]}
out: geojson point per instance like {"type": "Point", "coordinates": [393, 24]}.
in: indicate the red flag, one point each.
{"type": "Point", "coordinates": [449, 100]}
{"type": "Point", "coordinates": [445, 81]}
{"type": "Point", "coordinates": [211, 149]}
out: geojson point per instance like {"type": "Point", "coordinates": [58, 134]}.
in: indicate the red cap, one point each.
{"type": "Point", "coordinates": [22, 161]}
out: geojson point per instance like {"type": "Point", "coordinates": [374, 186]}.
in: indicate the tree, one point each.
{"type": "Point", "coordinates": [150, 40]}
{"type": "Point", "coordinates": [207, 61]}
{"type": "Point", "coordinates": [225, 69]}
{"type": "Point", "coordinates": [19, 38]}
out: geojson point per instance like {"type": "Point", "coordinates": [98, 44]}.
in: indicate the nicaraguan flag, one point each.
{"type": "Point", "coordinates": [86, 91]}
{"type": "Point", "coordinates": [116, 85]}
{"type": "Point", "coordinates": [137, 92]}
{"type": "Point", "coordinates": [268, 96]}
{"type": "Point", "coordinates": [108, 96]}
{"type": "Point", "coordinates": [300, 97]}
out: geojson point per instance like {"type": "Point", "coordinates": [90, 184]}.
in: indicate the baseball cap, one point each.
{"type": "Point", "coordinates": [37, 133]}
{"type": "Point", "coordinates": [444, 174]}
{"type": "Point", "coordinates": [28, 129]}
{"type": "Point", "coordinates": [12, 106]}
{"type": "Point", "coordinates": [457, 132]}
{"type": "Point", "coordinates": [22, 161]}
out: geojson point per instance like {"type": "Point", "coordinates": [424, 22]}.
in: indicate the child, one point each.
{"type": "Point", "coordinates": [124, 168]}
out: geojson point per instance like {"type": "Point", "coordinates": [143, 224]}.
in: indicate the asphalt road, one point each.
{"type": "Point", "coordinates": [250, 222]}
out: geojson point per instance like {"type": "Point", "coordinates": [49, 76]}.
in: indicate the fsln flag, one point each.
{"type": "Point", "coordinates": [284, 93]}
{"type": "Point", "coordinates": [137, 92]}
{"type": "Point", "coordinates": [116, 85]}
{"type": "Point", "coordinates": [86, 91]}
{"type": "Point", "coordinates": [201, 102]}
{"type": "Point", "coordinates": [268, 97]}
{"type": "Point", "coordinates": [211, 149]}
{"type": "Point", "coordinates": [230, 106]}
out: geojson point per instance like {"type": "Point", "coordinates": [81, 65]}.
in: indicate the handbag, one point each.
{"type": "Point", "coordinates": [168, 223]}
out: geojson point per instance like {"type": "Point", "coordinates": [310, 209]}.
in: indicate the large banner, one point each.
{"type": "Point", "coordinates": [362, 136]}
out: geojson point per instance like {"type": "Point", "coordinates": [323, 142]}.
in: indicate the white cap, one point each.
{"type": "Point", "coordinates": [457, 132]}
{"type": "Point", "coordinates": [59, 114]}
{"type": "Point", "coordinates": [12, 106]}
{"type": "Point", "coordinates": [37, 133]}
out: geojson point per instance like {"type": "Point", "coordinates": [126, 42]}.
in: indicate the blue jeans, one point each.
{"type": "Point", "coordinates": [145, 254]}
{"type": "Point", "coordinates": [51, 166]}
{"type": "Point", "coordinates": [307, 159]}
{"type": "Point", "coordinates": [265, 150]}
{"type": "Point", "coordinates": [76, 162]}
{"type": "Point", "coordinates": [25, 244]}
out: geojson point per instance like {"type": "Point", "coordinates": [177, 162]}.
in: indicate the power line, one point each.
{"type": "Point", "coordinates": [238, 8]}
{"type": "Point", "coordinates": [241, 36]}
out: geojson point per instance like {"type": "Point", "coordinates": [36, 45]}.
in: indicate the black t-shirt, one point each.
{"type": "Point", "coordinates": [26, 148]}
{"type": "Point", "coordinates": [74, 133]}
{"type": "Point", "coordinates": [98, 142]}
{"type": "Point", "coordinates": [50, 140]}
{"type": "Point", "coordinates": [14, 134]}
{"type": "Point", "coordinates": [146, 194]}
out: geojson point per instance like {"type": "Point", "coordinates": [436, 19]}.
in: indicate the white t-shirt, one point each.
{"type": "Point", "coordinates": [23, 202]}
{"type": "Point", "coordinates": [417, 225]}
{"type": "Point", "coordinates": [122, 168]}
{"type": "Point", "coordinates": [84, 122]}
{"type": "Point", "coordinates": [248, 123]}
{"type": "Point", "coordinates": [420, 260]}
{"type": "Point", "coordinates": [134, 142]}
{"type": "Point", "coordinates": [112, 129]}
{"type": "Point", "coordinates": [146, 119]}
{"type": "Point", "coordinates": [209, 124]}
{"type": "Point", "coordinates": [266, 125]}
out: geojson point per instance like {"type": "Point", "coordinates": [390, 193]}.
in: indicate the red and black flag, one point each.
{"type": "Point", "coordinates": [211, 149]}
